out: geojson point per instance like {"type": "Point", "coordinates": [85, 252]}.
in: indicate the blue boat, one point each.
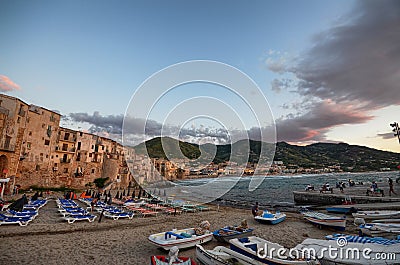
{"type": "Point", "coordinates": [270, 218]}
{"type": "Point", "coordinates": [230, 232]}
{"type": "Point", "coordinates": [342, 210]}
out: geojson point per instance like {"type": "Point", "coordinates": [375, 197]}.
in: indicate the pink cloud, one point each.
{"type": "Point", "coordinates": [6, 84]}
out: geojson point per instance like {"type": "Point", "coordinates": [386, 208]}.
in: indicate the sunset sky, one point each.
{"type": "Point", "coordinates": [330, 70]}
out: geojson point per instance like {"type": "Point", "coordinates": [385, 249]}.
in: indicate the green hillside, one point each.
{"type": "Point", "coordinates": [319, 155]}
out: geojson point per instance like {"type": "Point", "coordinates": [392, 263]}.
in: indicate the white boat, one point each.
{"type": "Point", "coordinates": [223, 256]}
{"type": "Point", "coordinates": [270, 218]}
{"type": "Point", "coordinates": [376, 214]}
{"type": "Point", "coordinates": [324, 220]}
{"type": "Point", "coordinates": [386, 230]}
{"type": "Point", "coordinates": [320, 246]}
{"type": "Point", "coordinates": [184, 238]}
{"type": "Point", "coordinates": [267, 252]}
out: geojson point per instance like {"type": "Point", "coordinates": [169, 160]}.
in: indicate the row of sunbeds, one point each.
{"type": "Point", "coordinates": [71, 211]}
{"type": "Point", "coordinates": [23, 217]}
{"type": "Point", "coordinates": [108, 211]}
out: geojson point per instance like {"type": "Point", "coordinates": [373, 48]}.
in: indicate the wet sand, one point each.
{"type": "Point", "coordinates": [49, 240]}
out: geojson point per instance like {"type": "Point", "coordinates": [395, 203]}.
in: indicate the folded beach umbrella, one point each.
{"type": "Point", "coordinates": [123, 194]}
{"type": "Point", "coordinates": [117, 195]}
{"type": "Point", "coordinates": [120, 196]}
{"type": "Point", "coordinates": [159, 192]}
{"type": "Point", "coordinates": [140, 192]}
{"type": "Point", "coordinates": [165, 193]}
{"type": "Point", "coordinates": [105, 199]}
{"type": "Point", "coordinates": [129, 189]}
{"type": "Point", "coordinates": [109, 200]}
{"type": "Point", "coordinates": [109, 193]}
{"type": "Point", "coordinates": [89, 193]}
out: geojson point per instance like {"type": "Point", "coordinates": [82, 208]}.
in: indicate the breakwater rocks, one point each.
{"type": "Point", "coordinates": [316, 198]}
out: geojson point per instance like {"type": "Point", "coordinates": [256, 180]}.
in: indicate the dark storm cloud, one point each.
{"type": "Point", "coordinates": [354, 64]}
{"type": "Point", "coordinates": [313, 125]}
{"type": "Point", "coordinates": [358, 60]}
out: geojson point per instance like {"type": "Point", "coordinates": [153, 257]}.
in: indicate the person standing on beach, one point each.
{"type": "Point", "coordinates": [391, 190]}
{"type": "Point", "coordinates": [254, 209]}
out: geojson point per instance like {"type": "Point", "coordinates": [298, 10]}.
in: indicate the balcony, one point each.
{"type": "Point", "coordinates": [71, 139]}
{"type": "Point", "coordinates": [7, 147]}
{"type": "Point", "coordinates": [67, 160]}
{"type": "Point", "coordinates": [96, 160]}
{"type": "Point", "coordinates": [67, 150]}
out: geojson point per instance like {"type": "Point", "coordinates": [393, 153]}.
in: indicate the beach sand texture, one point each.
{"type": "Point", "coordinates": [49, 240]}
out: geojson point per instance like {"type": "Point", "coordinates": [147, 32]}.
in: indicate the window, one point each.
{"type": "Point", "coordinates": [66, 170]}
{"type": "Point", "coordinates": [28, 145]}
{"type": "Point", "coordinates": [93, 170]}
{"type": "Point", "coordinates": [92, 146]}
{"type": "Point", "coordinates": [102, 147]}
{"type": "Point", "coordinates": [66, 136]}
{"type": "Point", "coordinates": [46, 142]}
{"type": "Point", "coordinates": [19, 120]}
{"type": "Point", "coordinates": [80, 133]}
{"type": "Point", "coordinates": [47, 156]}
{"type": "Point", "coordinates": [65, 147]}
{"type": "Point", "coordinates": [30, 133]}
{"type": "Point", "coordinates": [37, 167]}
{"type": "Point", "coordinates": [43, 125]}
{"type": "Point", "coordinates": [90, 154]}
{"type": "Point", "coordinates": [49, 131]}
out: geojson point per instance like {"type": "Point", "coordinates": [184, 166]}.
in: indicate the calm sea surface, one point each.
{"type": "Point", "coordinates": [277, 190]}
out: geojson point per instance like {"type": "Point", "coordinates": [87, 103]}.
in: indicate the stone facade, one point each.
{"type": "Point", "coordinates": [36, 151]}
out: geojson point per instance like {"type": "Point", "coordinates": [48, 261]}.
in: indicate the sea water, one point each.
{"type": "Point", "coordinates": [278, 189]}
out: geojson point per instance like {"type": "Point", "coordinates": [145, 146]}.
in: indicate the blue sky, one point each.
{"type": "Point", "coordinates": [88, 56]}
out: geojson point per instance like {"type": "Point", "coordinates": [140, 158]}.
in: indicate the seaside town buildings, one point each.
{"type": "Point", "coordinates": [36, 151]}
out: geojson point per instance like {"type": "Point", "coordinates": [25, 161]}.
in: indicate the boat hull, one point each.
{"type": "Point", "coordinates": [342, 210]}
{"type": "Point", "coordinates": [250, 252]}
{"type": "Point", "coordinates": [270, 221]}
{"type": "Point", "coordinates": [377, 214]}
{"type": "Point", "coordinates": [222, 256]}
{"type": "Point", "coordinates": [165, 241]}
{"type": "Point", "coordinates": [226, 238]}
{"type": "Point", "coordinates": [339, 224]}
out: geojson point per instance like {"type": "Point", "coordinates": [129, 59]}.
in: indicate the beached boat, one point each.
{"type": "Point", "coordinates": [377, 214]}
{"type": "Point", "coordinates": [270, 218]}
{"type": "Point", "coordinates": [342, 210]}
{"type": "Point", "coordinates": [387, 230]}
{"type": "Point", "coordinates": [267, 252]}
{"type": "Point", "coordinates": [374, 250]}
{"type": "Point", "coordinates": [184, 238]}
{"type": "Point", "coordinates": [162, 260]}
{"type": "Point", "coordinates": [223, 256]}
{"type": "Point", "coordinates": [226, 233]}
{"type": "Point", "coordinates": [323, 220]}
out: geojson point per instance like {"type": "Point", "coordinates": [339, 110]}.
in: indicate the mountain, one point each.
{"type": "Point", "coordinates": [318, 155]}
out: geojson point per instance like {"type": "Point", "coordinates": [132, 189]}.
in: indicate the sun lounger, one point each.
{"type": "Point", "coordinates": [22, 221]}
{"type": "Point", "coordinates": [75, 217]}
{"type": "Point", "coordinates": [116, 216]}
{"type": "Point", "coordinates": [172, 211]}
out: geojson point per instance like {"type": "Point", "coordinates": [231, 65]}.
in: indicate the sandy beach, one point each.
{"type": "Point", "coordinates": [49, 240]}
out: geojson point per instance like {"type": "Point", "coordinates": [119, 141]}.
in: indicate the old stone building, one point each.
{"type": "Point", "coordinates": [36, 151]}
{"type": "Point", "coordinates": [13, 113]}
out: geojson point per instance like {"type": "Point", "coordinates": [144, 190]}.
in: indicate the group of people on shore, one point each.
{"type": "Point", "coordinates": [342, 185]}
